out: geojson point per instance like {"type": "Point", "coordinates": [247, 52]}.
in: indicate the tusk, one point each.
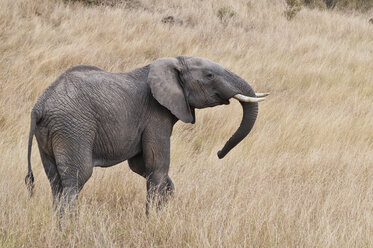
{"type": "Point", "coordinates": [262, 94]}
{"type": "Point", "coordinates": [243, 98]}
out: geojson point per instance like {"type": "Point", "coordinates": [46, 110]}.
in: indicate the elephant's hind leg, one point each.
{"type": "Point", "coordinates": [74, 165]}
{"type": "Point", "coordinates": [53, 177]}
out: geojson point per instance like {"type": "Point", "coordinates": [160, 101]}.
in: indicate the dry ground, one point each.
{"type": "Point", "coordinates": [302, 178]}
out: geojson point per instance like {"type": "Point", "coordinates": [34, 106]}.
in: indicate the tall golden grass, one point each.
{"type": "Point", "coordinates": [302, 178]}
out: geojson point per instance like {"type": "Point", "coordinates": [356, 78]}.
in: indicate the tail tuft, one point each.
{"type": "Point", "coordinates": [29, 180]}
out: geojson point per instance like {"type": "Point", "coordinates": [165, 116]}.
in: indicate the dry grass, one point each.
{"type": "Point", "coordinates": [303, 177]}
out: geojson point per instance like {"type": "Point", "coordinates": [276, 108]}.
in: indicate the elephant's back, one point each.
{"type": "Point", "coordinates": [67, 105]}
{"type": "Point", "coordinates": [81, 85]}
{"type": "Point", "coordinates": [109, 107]}
{"type": "Point", "coordinates": [60, 87]}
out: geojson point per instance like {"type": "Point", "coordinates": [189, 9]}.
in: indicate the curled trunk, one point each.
{"type": "Point", "coordinates": [250, 112]}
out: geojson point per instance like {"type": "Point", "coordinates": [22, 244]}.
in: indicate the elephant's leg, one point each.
{"type": "Point", "coordinates": [74, 165]}
{"type": "Point", "coordinates": [137, 165]}
{"type": "Point", "coordinates": [156, 154]}
{"type": "Point", "coordinates": [75, 174]}
{"type": "Point", "coordinates": [159, 189]}
{"type": "Point", "coordinates": [53, 177]}
{"type": "Point", "coordinates": [170, 186]}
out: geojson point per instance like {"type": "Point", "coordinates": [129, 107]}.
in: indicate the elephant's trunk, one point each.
{"type": "Point", "coordinates": [250, 112]}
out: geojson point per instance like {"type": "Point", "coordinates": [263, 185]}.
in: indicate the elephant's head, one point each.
{"type": "Point", "coordinates": [184, 83]}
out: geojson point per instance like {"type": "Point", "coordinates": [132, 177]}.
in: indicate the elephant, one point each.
{"type": "Point", "coordinates": [89, 117]}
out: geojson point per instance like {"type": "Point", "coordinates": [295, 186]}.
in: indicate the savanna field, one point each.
{"type": "Point", "coordinates": [302, 178]}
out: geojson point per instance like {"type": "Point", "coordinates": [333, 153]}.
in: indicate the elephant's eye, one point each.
{"type": "Point", "coordinates": [210, 76]}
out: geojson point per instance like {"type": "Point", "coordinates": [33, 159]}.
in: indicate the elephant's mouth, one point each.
{"type": "Point", "coordinates": [220, 99]}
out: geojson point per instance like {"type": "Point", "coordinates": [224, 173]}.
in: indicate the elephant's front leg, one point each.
{"type": "Point", "coordinates": [156, 154]}
{"type": "Point", "coordinates": [159, 190]}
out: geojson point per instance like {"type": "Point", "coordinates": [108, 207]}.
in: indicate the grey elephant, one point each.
{"type": "Point", "coordinates": [90, 117]}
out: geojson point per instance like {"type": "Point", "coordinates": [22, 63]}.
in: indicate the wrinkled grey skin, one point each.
{"type": "Point", "coordinates": [90, 117]}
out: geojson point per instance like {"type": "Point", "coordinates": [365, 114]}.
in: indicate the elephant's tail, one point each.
{"type": "Point", "coordinates": [29, 179]}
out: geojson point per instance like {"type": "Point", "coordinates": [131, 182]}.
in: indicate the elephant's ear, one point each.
{"type": "Point", "coordinates": [165, 85]}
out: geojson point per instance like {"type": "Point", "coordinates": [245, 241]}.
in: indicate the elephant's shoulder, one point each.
{"type": "Point", "coordinates": [83, 68]}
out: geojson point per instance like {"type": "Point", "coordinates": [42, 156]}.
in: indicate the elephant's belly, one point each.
{"type": "Point", "coordinates": [118, 149]}
{"type": "Point", "coordinates": [102, 162]}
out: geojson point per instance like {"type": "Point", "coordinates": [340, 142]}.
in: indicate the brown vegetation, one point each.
{"type": "Point", "coordinates": [302, 178]}
{"type": "Point", "coordinates": [361, 5]}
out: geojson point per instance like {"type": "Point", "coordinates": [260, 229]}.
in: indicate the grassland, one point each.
{"type": "Point", "coordinates": [302, 178]}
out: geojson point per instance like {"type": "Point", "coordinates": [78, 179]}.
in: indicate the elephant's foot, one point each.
{"type": "Point", "coordinates": [158, 195]}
